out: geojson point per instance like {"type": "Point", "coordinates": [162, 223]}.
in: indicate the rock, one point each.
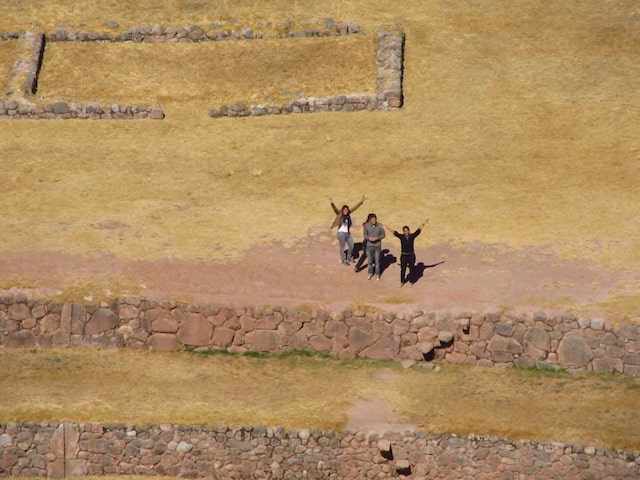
{"type": "Point", "coordinates": [504, 329]}
{"type": "Point", "coordinates": [157, 113]}
{"type": "Point", "coordinates": [263, 340]}
{"type": "Point", "coordinates": [408, 363]}
{"type": "Point", "coordinates": [163, 341]}
{"type": "Point", "coordinates": [19, 311]}
{"type": "Point", "coordinates": [539, 338]}
{"type": "Point", "coordinates": [5, 440]}
{"type": "Point", "coordinates": [360, 338]}
{"type": "Point", "coordinates": [223, 337]}
{"type": "Point", "coordinates": [20, 339]}
{"type": "Point", "coordinates": [60, 108]}
{"type": "Point", "coordinates": [385, 348]}
{"type": "Point", "coordinates": [384, 446]}
{"type": "Point", "coordinates": [184, 447]}
{"type": "Point", "coordinates": [195, 330]}
{"type": "Point", "coordinates": [165, 325]}
{"type": "Point", "coordinates": [101, 321]}
{"type": "Point", "coordinates": [573, 351]}
{"type": "Point", "coordinates": [504, 344]}
{"type": "Point", "coordinates": [445, 338]}
{"type": "Point", "coordinates": [403, 467]}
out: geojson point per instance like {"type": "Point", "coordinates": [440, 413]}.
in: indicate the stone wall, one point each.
{"type": "Point", "coordinates": [387, 97]}
{"type": "Point", "coordinates": [22, 86]}
{"type": "Point", "coordinates": [224, 452]}
{"type": "Point", "coordinates": [20, 102]}
{"type": "Point", "coordinates": [539, 339]}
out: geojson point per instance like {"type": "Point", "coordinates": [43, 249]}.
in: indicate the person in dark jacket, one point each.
{"type": "Point", "coordinates": [407, 251]}
{"type": "Point", "coordinates": [343, 222]}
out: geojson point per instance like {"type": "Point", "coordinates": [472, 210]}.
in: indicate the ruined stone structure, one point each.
{"type": "Point", "coordinates": [387, 97]}
{"type": "Point", "coordinates": [540, 339]}
{"type": "Point", "coordinates": [22, 86]}
{"type": "Point", "coordinates": [21, 102]}
{"type": "Point", "coordinates": [226, 452]}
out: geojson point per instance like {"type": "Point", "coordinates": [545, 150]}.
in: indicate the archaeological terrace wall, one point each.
{"type": "Point", "coordinates": [21, 100]}
{"type": "Point", "coordinates": [224, 452]}
{"type": "Point", "coordinates": [539, 339]}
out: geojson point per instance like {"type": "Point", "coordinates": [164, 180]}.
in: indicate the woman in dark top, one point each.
{"type": "Point", "coordinates": [408, 254]}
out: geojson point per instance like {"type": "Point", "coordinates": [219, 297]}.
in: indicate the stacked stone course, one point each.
{"type": "Point", "coordinates": [215, 31]}
{"type": "Point", "coordinates": [226, 452]}
{"type": "Point", "coordinates": [21, 109]}
{"type": "Point", "coordinates": [23, 80]}
{"type": "Point", "coordinates": [539, 339]}
{"type": "Point", "coordinates": [388, 96]}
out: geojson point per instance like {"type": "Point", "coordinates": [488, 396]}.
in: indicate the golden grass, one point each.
{"type": "Point", "coordinates": [8, 53]}
{"type": "Point", "coordinates": [209, 73]}
{"type": "Point", "coordinates": [519, 127]}
{"type": "Point", "coordinates": [298, 391]}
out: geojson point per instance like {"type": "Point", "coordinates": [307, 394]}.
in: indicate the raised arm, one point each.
{"type": "Point", "coordinates": [333, 205]}
{"type": "Point", "coordinates": [417, 232]}
{"type": "Point", "coordinates": [355, 207]}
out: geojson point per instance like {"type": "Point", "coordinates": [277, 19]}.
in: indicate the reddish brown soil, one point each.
{"type": "Point", "coordinates": [473, 276]}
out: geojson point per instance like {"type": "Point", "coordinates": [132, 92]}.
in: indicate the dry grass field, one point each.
{"type": "Point", "coordinates": [520, 127]}
{"type": "Point", "coordinates": [519, 130]}
{"type": "Point", "coordinates": [297, 391]}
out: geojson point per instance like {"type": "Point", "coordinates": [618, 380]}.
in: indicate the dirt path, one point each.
{"type": "Point", "coordinates": [473, 276]}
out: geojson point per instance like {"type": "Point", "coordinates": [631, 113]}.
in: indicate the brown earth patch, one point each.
{"type": "Point", "coordinates": [470, 276]}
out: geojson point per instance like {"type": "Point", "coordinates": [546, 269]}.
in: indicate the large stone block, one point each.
{"type": "Point", "coordinates": [383, 349]}
{"type": "Point", "coordinates": [263, 340]}
{"type": "Point", "coordinates": [573, 351]}
{"type": "Point", "coordinates": [18, 311]}
{"type": "Point", "coordinates": [76, 468]}
{"type": "Point", "coordinates": [504, 344]}
{"type": "Point", "coordinates": [223, 337]}
{"type": "Point", "coordinates": [165, 325]}
{"type": "Point", "coordinates": [335, 328]}
{"type": "Point", "coordinates": [50, 323]}
{"type": "Point", "coordinates": [538, 338]}
{"type": "Point", "coordinates": [163, 341]}
{"type": "Point", "coordinates": [101, 321]}
{"type": "Point", "coordinates": [20, 340]}
{"type": "Point", "coordinates": [607, 365]}
{"type": "Point", "coordinates": [320, 343]}
{"type": "Point", "coordinates": [360, 338]}
{"type": "Point", "coordinates": [195, 330]}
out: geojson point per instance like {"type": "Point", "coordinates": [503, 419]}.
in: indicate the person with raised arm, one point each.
{"type": "Point", "coordinates": [407, 251]}
{"type": "Point", "coordinates": [343, 222]}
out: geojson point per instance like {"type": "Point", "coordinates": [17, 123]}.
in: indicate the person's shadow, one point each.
{"type": "Point", "coordinates": [360, 255]}
{"type": "Point", "coordinates": [417, 272]}
{"type": "Point", "coordinates": [386, 260]}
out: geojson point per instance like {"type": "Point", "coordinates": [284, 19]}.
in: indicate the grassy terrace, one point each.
{"type": "Point", "coordinates": [299, 391]}
{"type": "Point", "coordinates": [520, 127]}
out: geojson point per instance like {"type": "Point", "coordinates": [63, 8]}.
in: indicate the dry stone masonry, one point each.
{"type": "Point", "coordinates": [250, 452]}
{"type": "Point", "coordinates": [20, 101]}
{"type": "Point", "coordinates": [387, 97]}
{"type": "Point", "coordinates": [23, 80]}
{"type": "Point", "coordinates": [539, 339]}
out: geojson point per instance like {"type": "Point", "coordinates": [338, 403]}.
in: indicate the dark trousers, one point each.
{"type": "Point", "coordinates": [407, 261]}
